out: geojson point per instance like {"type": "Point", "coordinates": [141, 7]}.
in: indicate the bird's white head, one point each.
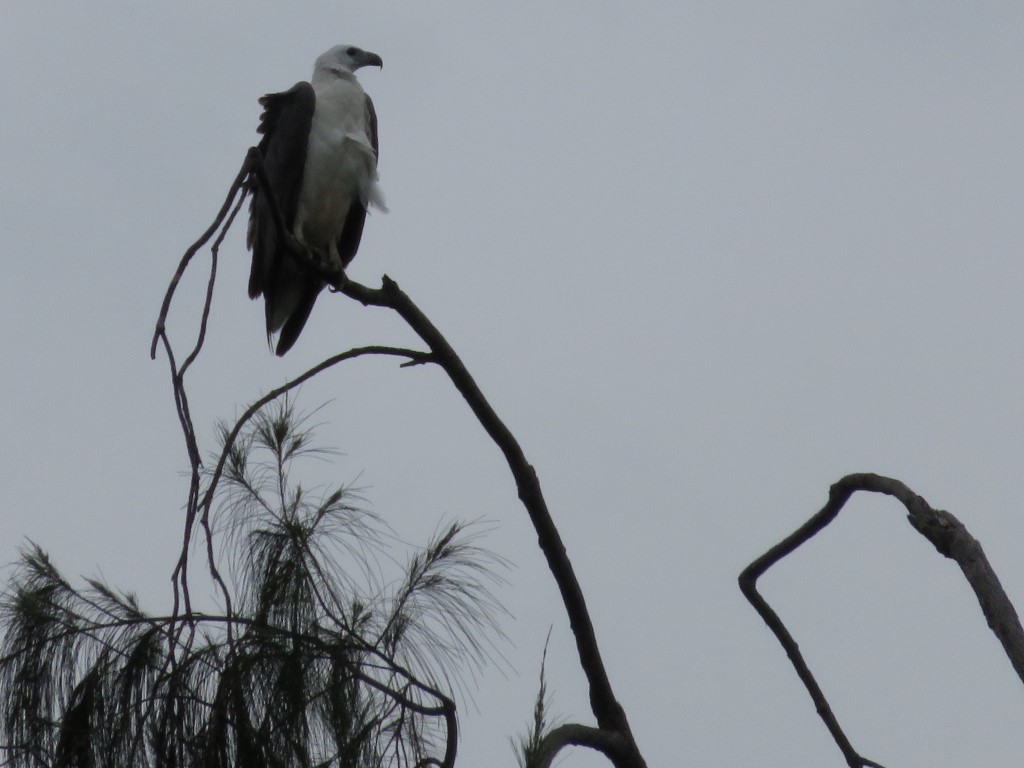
{"type": "Point", "coordinates": [344, 59]}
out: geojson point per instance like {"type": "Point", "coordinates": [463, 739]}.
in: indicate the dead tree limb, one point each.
{"type": "Point", "coordinates": [947, 534]}
{"type": "Point", "coordinates": [610, 744]}
{"type": "Point", "coordinates": [610, 716]}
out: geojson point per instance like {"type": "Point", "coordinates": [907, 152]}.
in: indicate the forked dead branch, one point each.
{"type": "Point", "coordinates": [947, 534]}
{"type": "Point", "coordinates": [612, 735]}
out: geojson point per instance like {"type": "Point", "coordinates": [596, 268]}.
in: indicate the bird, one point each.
{"type": "Point", "coordinates": [319, 149]}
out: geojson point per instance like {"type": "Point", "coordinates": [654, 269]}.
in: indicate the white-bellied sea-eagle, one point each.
{"type": "Point", "coordinates": [319, 149]}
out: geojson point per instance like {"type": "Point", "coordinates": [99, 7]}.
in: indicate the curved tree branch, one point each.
{"type": "Point", "coordinates": [608, 712]}
{"type": "Point", "coordinates": [445, 709]}
{"type": "Point", "coordinates": [947, 535]}
{"type": "Point", "coordinates": [611, 745]}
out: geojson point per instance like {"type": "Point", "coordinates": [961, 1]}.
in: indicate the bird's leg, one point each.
{"type": "Point", "coordinates": [299, 242]}
{"type": "Point", "coordinates": [336, 265]}
{"type": "Point", "coordinates": [334, 258]}
{"type": "Point", "coordinates": [329, 259]}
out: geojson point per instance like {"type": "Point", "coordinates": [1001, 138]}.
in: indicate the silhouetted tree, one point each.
{"type": "Point", "coordinates": [315, 663]}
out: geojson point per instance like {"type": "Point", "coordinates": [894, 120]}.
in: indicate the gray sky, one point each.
{"type": "Point", "coordinates": [705, 259]}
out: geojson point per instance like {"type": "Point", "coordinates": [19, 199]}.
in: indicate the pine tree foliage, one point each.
{"type": "Point", "coordinates": [528, 747]}
{"type": "Point", "coordinates": [320, 660]}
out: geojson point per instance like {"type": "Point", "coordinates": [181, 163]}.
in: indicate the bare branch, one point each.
{"type": "Point", "coordinates": [445, 709]}
{"type": "Point", "coordinates": [612, 745]}
{"type": "Point", "coordinates": [942, 529]}
{"type": "Point", "coordinates": [606, 708]}
{"type": "Point", "coordinates": [237, 186]}
{"type": "Point", "coordinates": [414, 356]}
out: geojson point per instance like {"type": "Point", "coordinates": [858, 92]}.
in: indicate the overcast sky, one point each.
{"type": "Point", "coordinates": [704, 258]}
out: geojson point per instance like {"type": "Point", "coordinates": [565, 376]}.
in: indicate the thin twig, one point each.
{"type": "Point", "coordinates": [229, 441]}
{"type": "Point", "coordinates": [238, 185]}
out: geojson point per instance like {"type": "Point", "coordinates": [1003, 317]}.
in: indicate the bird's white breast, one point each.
{"type": "Point", "coordinates": [340, 164]}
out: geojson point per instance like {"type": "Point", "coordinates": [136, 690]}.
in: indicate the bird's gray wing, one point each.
{"type": "Point", "coordinates": [288, 292]}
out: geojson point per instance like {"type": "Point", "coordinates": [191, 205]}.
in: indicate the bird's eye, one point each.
{"type": "Point", "coordinates": [352, 51]}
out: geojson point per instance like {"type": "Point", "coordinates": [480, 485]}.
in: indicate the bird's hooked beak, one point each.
{"type": "Point", "coordinates": [368, 59]}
